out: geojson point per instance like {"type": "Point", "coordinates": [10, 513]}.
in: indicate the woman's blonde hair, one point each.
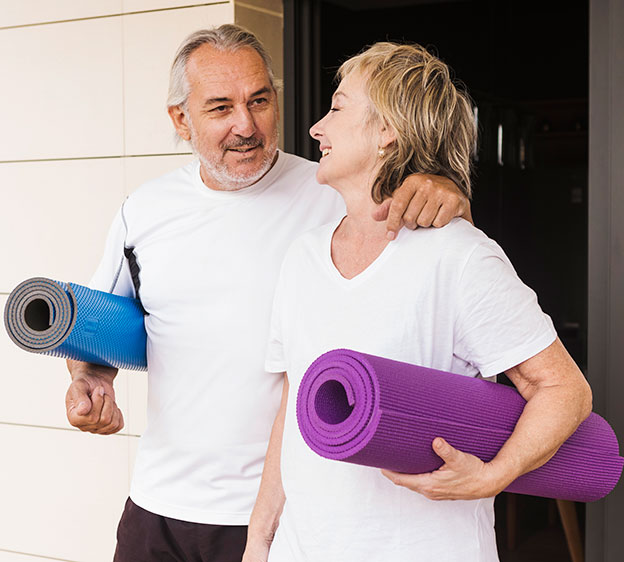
{"type": "Point", "coordinates": [412, 92]}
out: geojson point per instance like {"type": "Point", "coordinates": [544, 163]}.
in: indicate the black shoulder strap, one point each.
{"type": "Point", "coordinates": [135, 268]}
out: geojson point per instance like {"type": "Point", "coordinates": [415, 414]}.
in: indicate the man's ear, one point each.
{"type": "Point", "coordinates": [180, 121]}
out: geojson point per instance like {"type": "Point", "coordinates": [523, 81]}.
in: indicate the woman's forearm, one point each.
{"type": "Point", "coordinates": [270, 501]}
{"type": "Point", "coordinates": [558, 400]}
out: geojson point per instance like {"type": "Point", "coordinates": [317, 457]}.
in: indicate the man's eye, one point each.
{"type": "Point", "coordinates": [260, 101]}
{"type": "Point", "coordinates": [219, 109]}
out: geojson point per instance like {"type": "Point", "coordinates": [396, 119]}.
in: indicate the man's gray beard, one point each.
{"type": "Point", "coordinates": [218, 171]}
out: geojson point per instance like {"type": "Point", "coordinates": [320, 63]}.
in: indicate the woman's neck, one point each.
{"type": "Point", "coordinates": [359, 222]}
{"type": "Point", "coordinates": [359, 239]}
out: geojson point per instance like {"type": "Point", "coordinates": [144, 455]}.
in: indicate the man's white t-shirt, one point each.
{"type": "Point", "coordinates": [443, 298]}
{"type": "Point", "coordinates": [207, 263]}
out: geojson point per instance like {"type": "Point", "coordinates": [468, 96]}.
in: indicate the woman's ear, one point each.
{"type": "Point", "coordinates": [386, 135]}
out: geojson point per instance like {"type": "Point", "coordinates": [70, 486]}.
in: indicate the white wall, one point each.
{"type": "Point", "coordinates": [82, 95]}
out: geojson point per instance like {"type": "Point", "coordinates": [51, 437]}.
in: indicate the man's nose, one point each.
{"type": "Point", "coordinates": [243, 124]}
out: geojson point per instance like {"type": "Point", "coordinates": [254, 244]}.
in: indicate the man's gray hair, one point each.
{"type": "Point", "coordinates": [227, 37]}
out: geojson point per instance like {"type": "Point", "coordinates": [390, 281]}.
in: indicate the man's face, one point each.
{"type": "Point", "coordinates": [231, 116]}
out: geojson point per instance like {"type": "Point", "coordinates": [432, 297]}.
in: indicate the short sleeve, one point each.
{"type": "Point", "coordinates": [499, 321]}
{"type": "Point", "coordinates": [113, 273]}
{"type": "Point", "coordinates": [275, 361]}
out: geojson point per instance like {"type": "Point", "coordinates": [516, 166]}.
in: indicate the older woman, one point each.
{"type": "Point", "coordinates": [447, 299]}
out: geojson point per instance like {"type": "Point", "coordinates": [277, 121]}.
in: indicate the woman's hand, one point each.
{"type": "Point", "coordinates": [558, 400]}
{"type": "Point", "coordinates": [257, 550]}
{"type": "Point", "coordinates": [461, 477]}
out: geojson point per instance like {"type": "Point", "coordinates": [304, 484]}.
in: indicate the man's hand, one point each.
{"type": "Point", "coordinates": [461, 477]}
{"type": "Point", "coordinates": [423, 200]}
{"type": "Point", "coordinates": [90, 403]}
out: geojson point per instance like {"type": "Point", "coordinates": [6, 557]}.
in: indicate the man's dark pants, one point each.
{"type": "Point", "coordinates": [145, 537]}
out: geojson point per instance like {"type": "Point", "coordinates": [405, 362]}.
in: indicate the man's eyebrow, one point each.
{"type": "Point", "coordinates": [265, 90]}
{"type": "Point", "coordinates": [210, 101]}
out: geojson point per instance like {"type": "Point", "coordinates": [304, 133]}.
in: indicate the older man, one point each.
{"type": "Point", "coordinates": [201, 247]}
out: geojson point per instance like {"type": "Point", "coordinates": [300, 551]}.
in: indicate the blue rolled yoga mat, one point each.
{"type": "Point", "coordinates": [71, 321]}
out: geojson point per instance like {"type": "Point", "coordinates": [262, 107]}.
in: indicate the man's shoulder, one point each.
{"type": "Point", "coordinates": [294, 161]}
{"type": "Point", "coordinates": [297, 179]}
{"type": "Point", "coordinates": [310, 243]}
{"type": "Point", "coordinates": [163, 185]}
{"type": "Point", "coordinates": [295, 169]}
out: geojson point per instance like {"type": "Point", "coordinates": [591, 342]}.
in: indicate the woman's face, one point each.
{"type": "Point", "coordinates": [348, 142]}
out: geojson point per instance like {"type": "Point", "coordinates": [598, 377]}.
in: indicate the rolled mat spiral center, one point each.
{"type": "Point", "coordinates": [71, 321]}
{"type": "Point", "coordinates": [377, 412]}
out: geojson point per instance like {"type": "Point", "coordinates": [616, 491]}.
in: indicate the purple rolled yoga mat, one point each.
{"type": "Point", "coordinates": [377, 412]}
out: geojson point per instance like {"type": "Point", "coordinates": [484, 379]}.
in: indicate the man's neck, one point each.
{"type": "Point", "coordinates": [212, 183]}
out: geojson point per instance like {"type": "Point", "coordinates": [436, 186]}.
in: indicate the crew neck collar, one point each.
{"type": "Point", "coordinates": [253, 189]}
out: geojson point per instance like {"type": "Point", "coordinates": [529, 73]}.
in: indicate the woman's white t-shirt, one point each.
{"type": "Point", "coordinates": [443, 298]}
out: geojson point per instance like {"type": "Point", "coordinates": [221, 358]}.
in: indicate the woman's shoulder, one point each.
{"type": "Point", "coordinates": [452, 246]}
{"type": "Point", "coordinates": [459, 234]}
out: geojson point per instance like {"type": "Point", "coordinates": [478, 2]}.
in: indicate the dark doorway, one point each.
{"type": "Point", "coordinates": [525, 64]}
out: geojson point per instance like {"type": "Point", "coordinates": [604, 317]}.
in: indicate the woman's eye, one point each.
{"type": "Point", "coordinates": [334, 109]}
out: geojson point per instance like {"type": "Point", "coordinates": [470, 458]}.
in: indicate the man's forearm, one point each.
{"type": "Point", "coordinates": [270, 502]}
{"type": "Point", "coordinates": [78, 369]}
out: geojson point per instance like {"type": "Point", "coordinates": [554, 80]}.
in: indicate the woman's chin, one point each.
{"type": "Point", "coordinates": [322, 177]}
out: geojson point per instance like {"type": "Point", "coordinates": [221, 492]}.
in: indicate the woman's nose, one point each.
{"type": "Point", "coordinates": [316, 130]}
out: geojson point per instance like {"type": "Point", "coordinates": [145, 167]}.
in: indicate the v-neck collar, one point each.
{"type": "Point", "coordinates": [364, 275]}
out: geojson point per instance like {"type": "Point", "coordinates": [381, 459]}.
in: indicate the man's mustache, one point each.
{"type": "Point", "coordinates": [243, 142]}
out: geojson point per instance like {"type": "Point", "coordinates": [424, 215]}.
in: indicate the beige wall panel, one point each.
{"type": "Point", "coordinates": [273, 7]}
{"type": "Point", "coordinates": [6, 556]}
{"type": "Point", "coordinates": [62, 492]}
{"type": "Point", "coordinates": [268, 28]}
{"type": "Point", "coordinates": [139, 170]}
{"type": "Point", "coordinates": [150, 43]}
{"type": "Point", "coordinates": [39, 383]}
{"type": "Point", "coordinates": [34, 385]}
{"type": "Point", "coordinates": [144, 5]}
{"type": "Point", "coordinates": [54, 217]}
{"type": "Point", "coordinates": [62, 90]}
{"type": "Point", "coordinates": [25, 12]}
